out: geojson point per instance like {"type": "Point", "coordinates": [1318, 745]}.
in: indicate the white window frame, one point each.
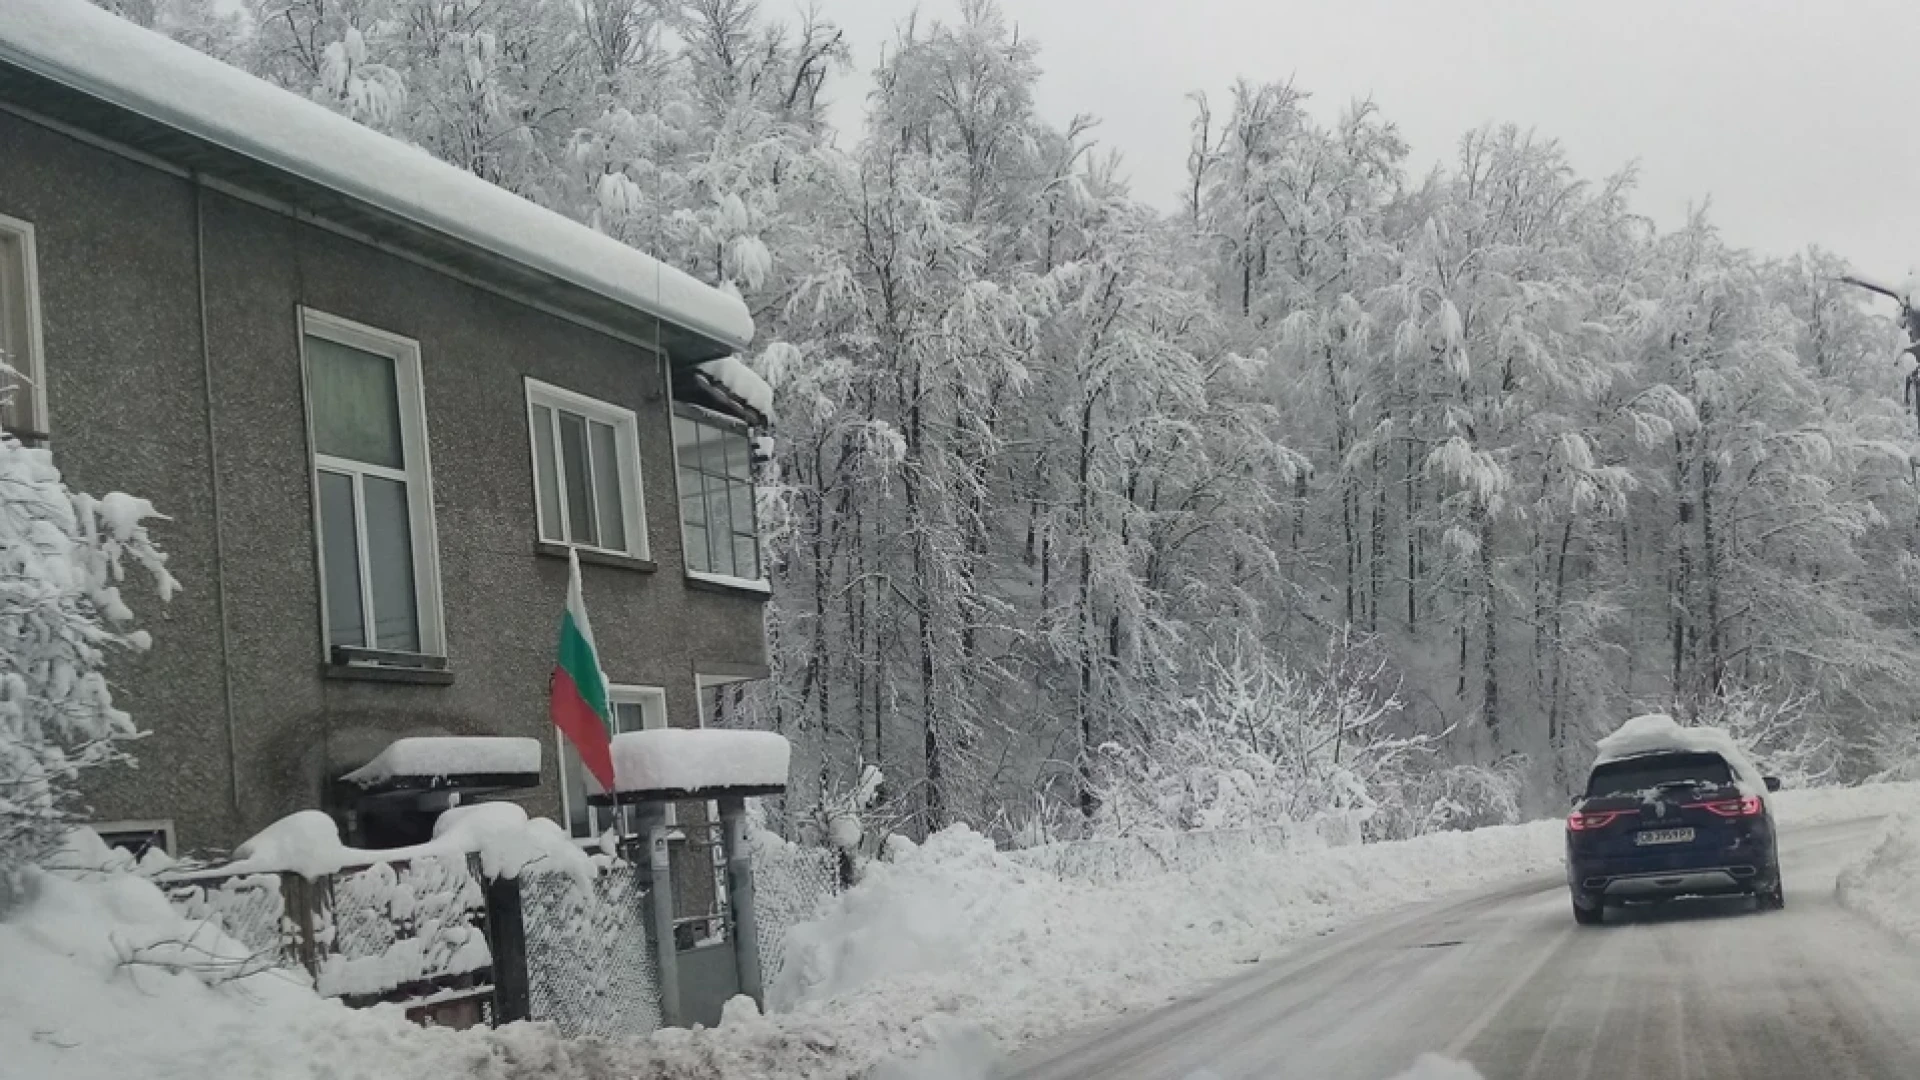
{"type": "Point", "coordinates": [418, 476]}
{"type": "Point", "coordinates": [163, 826]}
{"type": "Point", "coordinates": [32, 368]}
{"type": "Point", "coordinates": [762, 584]}
{"type": "Point", "coordinates": [632, 479]}
{"type": "Point", "coordinates": [617, 693]}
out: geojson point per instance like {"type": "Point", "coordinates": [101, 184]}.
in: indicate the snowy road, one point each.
{"type": "Point", "coordinates": [1503, 979]}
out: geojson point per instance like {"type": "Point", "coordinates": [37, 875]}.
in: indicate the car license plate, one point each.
{"type": "Point", "coordinates": [1663, 836]}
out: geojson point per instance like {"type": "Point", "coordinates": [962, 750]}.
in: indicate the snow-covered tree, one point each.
{"type": "Point", "coordinates": [63, 559]}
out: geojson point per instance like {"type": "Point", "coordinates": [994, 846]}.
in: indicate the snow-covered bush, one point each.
{"type": "Point", "coordinates": [1263, 743]}
{"type": "Point", "coordinates": [1451, 797]}
{"type": "Point", "coordinates": [63, 556]}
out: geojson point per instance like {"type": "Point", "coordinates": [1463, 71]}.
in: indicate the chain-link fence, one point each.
{"type": "Point", "coordinates": [590, 968]}
{"type": "Point", "coordinates": [790, 883]}
{"type": "Point", "coordinates": [248, 908]}
{"type": "Point", "coordinates": [406, 931]}
{"type": "Point", "coordinates": [393, 926]}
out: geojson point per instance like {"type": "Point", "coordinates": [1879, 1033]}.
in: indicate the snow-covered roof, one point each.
{"type": "Point", "coordinates": [434, 757]}
{"type": "Point", "coordinates": [698, 759]}
{"type": "Point", "coordinates": [742, 383]}
{"type": "Point", "coordinates": [84, 49]}
{"type": "Point", "coordinates": [1657, 733]}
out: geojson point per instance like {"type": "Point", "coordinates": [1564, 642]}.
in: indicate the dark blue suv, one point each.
{"type": "Point", "coordinates": [1671, 823]}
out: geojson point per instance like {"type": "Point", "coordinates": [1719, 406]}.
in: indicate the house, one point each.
{"type": "Point", "coordinates": [381, 400]}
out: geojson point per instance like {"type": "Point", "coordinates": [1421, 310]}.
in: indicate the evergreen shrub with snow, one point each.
{"type": "Point", "coordinates": [63, 557]}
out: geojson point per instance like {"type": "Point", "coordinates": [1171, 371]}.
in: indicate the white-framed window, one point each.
{"type": "Point", "coordinates": [634, 708]}
{"type": "Point", "coordinates": [718, 520]}
{"type": "Point", "coordinates": [586, 471]}
{"type": "Point", "coordinates": [137, 838]}
{"type": "Point", "coordinates": [372, 488]}
{"type": "Point", "coordinates": [24, 410]}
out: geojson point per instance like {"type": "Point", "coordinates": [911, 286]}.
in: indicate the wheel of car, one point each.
{"type": "Point", "coordinates": [1592, 916]}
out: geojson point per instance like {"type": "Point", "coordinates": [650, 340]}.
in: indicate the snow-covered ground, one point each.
{"type": "Point", "coordinates": [939, 961]}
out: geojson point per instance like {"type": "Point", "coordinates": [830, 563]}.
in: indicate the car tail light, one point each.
{"type": "Point", "coordinates": [1744, 806]}
{"type": "Point", "coordinates": [1599, 819]}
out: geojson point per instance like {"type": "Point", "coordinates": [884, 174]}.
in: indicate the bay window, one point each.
{"type": "Point", "coordinates": [717, 515]}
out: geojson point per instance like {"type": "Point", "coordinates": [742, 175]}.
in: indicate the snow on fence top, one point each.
{"type": "Point", "coordinates": [106, 57]}
{"type": "Point", "coordinates": [698, 759]}
{"type": "Point", "coordinates": [308, 843]}
{"type": "Point", "coordinates": [1657, 733]}
{"type": "Point", "coordinates": [441, 756]}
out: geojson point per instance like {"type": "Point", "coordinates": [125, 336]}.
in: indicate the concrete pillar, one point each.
{"type": "Point", "coordinates": [745, 930]}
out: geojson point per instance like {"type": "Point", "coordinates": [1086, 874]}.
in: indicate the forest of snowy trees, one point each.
{"type": "Point", "coordinates": [1338, 487]}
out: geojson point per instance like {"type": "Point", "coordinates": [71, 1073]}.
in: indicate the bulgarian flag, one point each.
{"type": "Point", "coordinates": [578, 690]}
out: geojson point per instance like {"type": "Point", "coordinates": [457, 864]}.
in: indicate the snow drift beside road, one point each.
{"type": "Point", "coordinates": [956, 927]}
{"type": "Point", "coordinates": [1883, 886]}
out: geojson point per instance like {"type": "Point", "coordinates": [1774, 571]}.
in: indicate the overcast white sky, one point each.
{"type": "Point", "coordinates": [1799, 119]}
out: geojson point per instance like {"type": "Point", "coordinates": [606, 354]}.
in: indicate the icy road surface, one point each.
{"type": "Point", "coordinates": [1695, 990]}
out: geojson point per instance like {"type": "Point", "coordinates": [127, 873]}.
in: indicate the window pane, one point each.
{"type": "Point", "coordinates": [628, 716]}
{"type": "Point", "coordinates": [340, 561]}
{"type": "Point", "coordinates": [396, 620]}
{"type": "Point", "coordinates": [16, 409]}
{"type": "Point", "coordinates": [606, 487]}
{"type": "Point", "coordinates": [713, 451]}
{"type": "Point", "coordinates": [686, 439]}
{"type": "Point", "coordinates": [692, 500]}
{"type": "Point", "coordinates": [721, 556]}
{"type": "Point", "coordinates": [356, 404]}
{"type": "Point", "coordinates": [742, 496]}
{"type": "Point", "coordinates": [573, 470]}
{"type": "Point", "coordinates": [546, 475]}
{"type": "Point", "coordinates": [698, 558]}
{"type": "Point", "coordinates": [738, 452]}
{"type": "Point", "coordinates": [746, 558]}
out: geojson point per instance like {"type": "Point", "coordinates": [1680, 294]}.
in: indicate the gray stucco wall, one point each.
{"type": "Point", "coordinates": [129, 411]}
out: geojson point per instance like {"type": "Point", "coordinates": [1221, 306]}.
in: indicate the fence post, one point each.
{"type": "Point", "coordinates": [507, 937]}
{"type": "Point", "coordinates": [301, 901]}
{"type": "Point", "coordinates": [740, 902]}
{"type": "Point", "coordinates": [656, 876]}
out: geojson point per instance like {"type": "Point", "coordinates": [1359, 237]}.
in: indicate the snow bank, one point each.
{"type": "Point", "coordinates": [955, 927]}
{"type": "Point", "coordinates": [1820, 806]}
{"type": "Point", "coordinates": [441, 756]}
{"type": "Point", "coordinates": [698, 759]}
{"type": "Point", "coordinates": [76, 44]}
{"type": "Point", "coordinates": [1884, 885]}
{"type": "Point", "coordinates": [307, 843]}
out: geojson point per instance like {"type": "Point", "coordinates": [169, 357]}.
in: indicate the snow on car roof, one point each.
{"type": "Point", "coordinates": [1658, 733]}
{"type": "Point", "coordinates": [77, 45]}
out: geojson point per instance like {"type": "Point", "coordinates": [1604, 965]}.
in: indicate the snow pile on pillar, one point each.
{"type": "Point", "coordinates": [697, 760]}
{"type": "Point", "coordinates": [508, 842]}
{"type": "Point", "coordinates": [442, 756]}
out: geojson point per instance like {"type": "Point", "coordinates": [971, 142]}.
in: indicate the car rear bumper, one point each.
{"type": "Point", "coordinates": [1700, 881]}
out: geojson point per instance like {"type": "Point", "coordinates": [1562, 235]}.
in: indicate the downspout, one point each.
{"type": "Point", "coordinates": [219, 521]}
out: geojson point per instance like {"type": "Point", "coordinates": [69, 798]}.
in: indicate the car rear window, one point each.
{"type": "Point", "coordinates": [1645, 773]}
